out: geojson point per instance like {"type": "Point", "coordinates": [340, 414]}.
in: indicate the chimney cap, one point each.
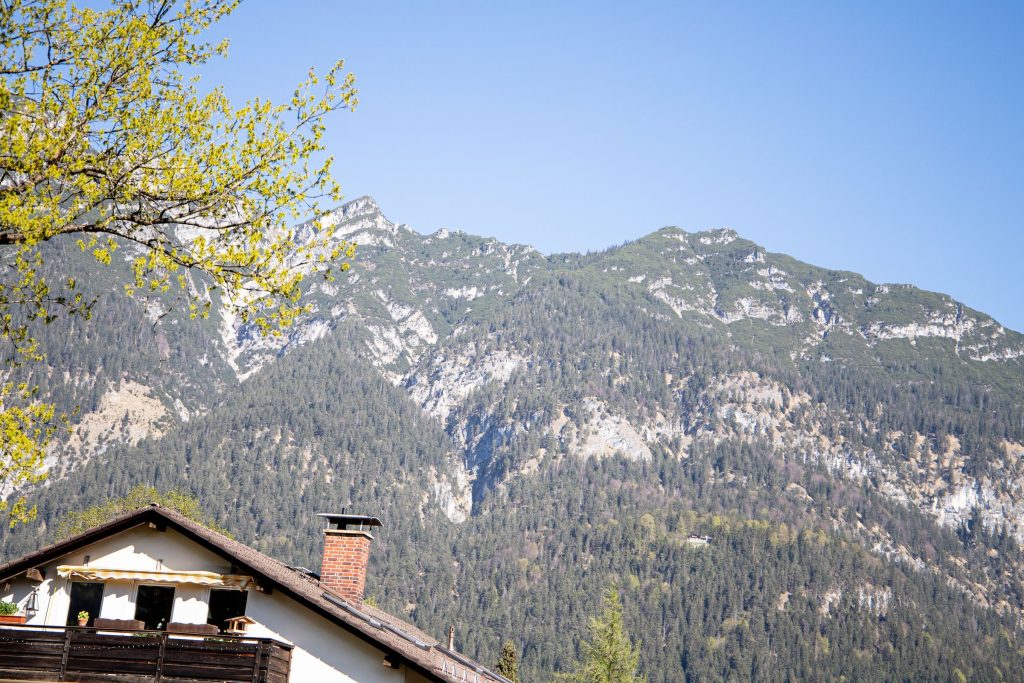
{"type": "Point", "coordinates": [344, 521]}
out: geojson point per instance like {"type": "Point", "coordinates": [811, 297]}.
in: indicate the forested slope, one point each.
{"type": "Point", "coordinates": [532, 428]}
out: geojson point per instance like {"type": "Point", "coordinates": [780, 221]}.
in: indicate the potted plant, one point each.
{"type": "Point", "coordinates": [9, 613]}
{"type": "Point", "coordinates": [83, 618]}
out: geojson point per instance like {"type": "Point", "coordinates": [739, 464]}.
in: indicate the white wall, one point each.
{"type": "Point", "coordinates": [20, 590]}
{"type": "Point", "coordinates": [324, 652]}
{"type": "Point", "coordinates": [118, 601]}
{"type": "Point", "coordinates": [141, 549]}
{"type": "Point", "coordinates": [191, 604]}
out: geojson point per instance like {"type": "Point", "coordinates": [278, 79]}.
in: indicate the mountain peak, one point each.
{"type": "Point", "coordinates": [361, 206]}
{"type": "Point", "coordinates": [706, 236]}
{"type": "Point", "coordinates": [717, 236]}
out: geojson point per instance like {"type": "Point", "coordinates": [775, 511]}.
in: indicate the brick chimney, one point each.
{"type": "Point", "coordinates": [346, 554]}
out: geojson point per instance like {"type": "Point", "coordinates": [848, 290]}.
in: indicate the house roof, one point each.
{"type": "Point", "coordinates": [400, 641]}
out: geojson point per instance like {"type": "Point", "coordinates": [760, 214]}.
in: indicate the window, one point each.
{"type": "Point", "coordinates": [225, 604]}
{"type": "Point", "coordinates": [153, 606]}
{"type": "Point", "coordinates": [85, 597]}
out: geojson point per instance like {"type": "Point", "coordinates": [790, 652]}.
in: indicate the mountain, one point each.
{"type": "Point", "coordinates": [531, 428]}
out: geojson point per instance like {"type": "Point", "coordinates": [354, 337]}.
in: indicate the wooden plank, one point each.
{"type": "Point", "coordinates": [64, 656]}
{"type": "Point", "coordinates": [41, 651]}
{"type": "Point", "coordinates": [27, 660]}
{"type": "Point", "coordinates": [56, 646]}
{"type": "Point", "coordinates": [31, 628]}
{"type": "Point", "coordinates": [160, 658]}
{"type": "Point", "coordinates": [21, 632]}
{"type": "Point", "coordinates": [23, 675]}
{"type": "Point", "coordinates": [222, 662]}
{"type": "Point", "coordinates": [277, 666]}
{"type": "Point", "coordinates": [258, 663]}
{"type": "Point", "coordinates": [89, 677]}
{"type": "Point", "coordinates": [127, 653]}
{"type": "Point", "coordinates": [33, 646]}
{"type": "Point", "coordinates": [126, 656]}
{"type": "Point", "coordinates": [190, 646]}
{"type": "Point", "coordinates": [233, 658]}
{"type": "Point", "coordinates": [189, 655]}
{"type": "Point", "coordinates": [281, 652]}
{"type": "Point", "coordinates": [110, 666]}
{"type": "Point", "coordinates": [207, 672]}
{"type": "Point", "coordinates": [130, 652]}
{"type": "Point", "coordinates": [110, 639]}
{"type": "Point", "coordinates": [94, 677]}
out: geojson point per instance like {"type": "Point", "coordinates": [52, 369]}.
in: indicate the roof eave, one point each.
{"type": "Point", "coordinates": [157, 515]}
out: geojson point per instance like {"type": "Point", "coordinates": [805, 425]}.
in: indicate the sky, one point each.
{"type": "Point", "coordinates": [882, 138]}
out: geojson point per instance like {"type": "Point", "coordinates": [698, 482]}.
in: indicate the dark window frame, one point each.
{"type": "Point", "coordinates": [76, 605]}
{"type": "Point", "coordinates": [243, 597]}
{"type": "Point", "coordinates": [170, 611]}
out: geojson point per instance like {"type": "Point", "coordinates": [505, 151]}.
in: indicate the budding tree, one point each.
{"type": "Point", "coordinates": [107, 137]}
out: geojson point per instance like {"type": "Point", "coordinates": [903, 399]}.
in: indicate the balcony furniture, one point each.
{"type": "Point", "coordinates": [238, 625]}
{"type": "Point", "coordinates": [119, 624]}
{"type": "Point", "coordinates": [192, 629]}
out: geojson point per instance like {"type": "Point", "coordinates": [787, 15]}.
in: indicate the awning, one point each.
{"type": "Point", "coordinates": [159, 576]}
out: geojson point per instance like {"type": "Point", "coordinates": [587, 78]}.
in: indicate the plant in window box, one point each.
{"type": "Point", "coordinates": [83, 618]}
{"type": "Point", "coordinates": [9, 613]}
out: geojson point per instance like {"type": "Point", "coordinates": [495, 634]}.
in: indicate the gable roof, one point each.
{"type": "Point", "coordinates": [400, 641]}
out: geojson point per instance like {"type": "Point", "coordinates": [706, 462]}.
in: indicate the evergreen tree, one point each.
{"type": "Point", "coordinates": [508, 662]}
{"type": "Point", "coordinates": [610, 657]}
{"type": "Point", "coordinates": [793, 584]}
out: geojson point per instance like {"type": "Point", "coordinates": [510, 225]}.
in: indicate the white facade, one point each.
{"type": "Point", "coordinates": [323, 650]}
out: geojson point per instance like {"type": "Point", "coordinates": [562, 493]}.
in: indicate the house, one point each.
{"type": "Point", "coordinates": [171, 600]}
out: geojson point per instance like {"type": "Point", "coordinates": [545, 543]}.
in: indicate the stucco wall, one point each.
{"type": "Point", "coordinates": [142, 549]}
{"type": "Point", "coordinates": [323, 651]}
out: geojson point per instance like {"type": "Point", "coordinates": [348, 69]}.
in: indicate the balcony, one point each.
{"type": "Point", "coordinates": [90, 655]}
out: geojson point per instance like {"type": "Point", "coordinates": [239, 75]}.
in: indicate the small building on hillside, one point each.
{"type": "Point", "coordinates": [163, 598]}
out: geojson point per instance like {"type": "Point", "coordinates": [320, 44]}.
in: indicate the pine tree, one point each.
{"type": "Point", "coordinates": [610, 657]}
{"type": "Point", "coordinates": [508, 662]}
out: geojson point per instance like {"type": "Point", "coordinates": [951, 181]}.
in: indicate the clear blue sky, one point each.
{"type": "Point", "coordinates": [884, 138]}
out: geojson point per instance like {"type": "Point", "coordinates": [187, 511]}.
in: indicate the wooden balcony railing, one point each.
{"type": "Point", "coordinates": [89, 655]}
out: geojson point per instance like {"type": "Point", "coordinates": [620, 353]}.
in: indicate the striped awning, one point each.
{"type": "Point", "coordinates": [157, 576]}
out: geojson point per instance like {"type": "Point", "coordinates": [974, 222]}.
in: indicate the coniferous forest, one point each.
{"type": "Point", "coordinates": [789, 473]}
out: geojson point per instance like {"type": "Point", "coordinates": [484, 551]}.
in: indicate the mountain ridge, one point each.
{"type": "Point", "coordinates": [712, 282]}
{"type": "Point", "coordinates": [603, 406]}
{"type": "Point", "coordinates": [368, 205]}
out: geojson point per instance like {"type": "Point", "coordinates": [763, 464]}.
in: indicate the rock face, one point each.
{"type": "Point", "coordinates": [457, 322]}
{"type": "Point", "coordinates": [844, 395]}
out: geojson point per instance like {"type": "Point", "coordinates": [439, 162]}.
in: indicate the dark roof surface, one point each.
{"type": "Point", "coordinates": [388, 633]}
